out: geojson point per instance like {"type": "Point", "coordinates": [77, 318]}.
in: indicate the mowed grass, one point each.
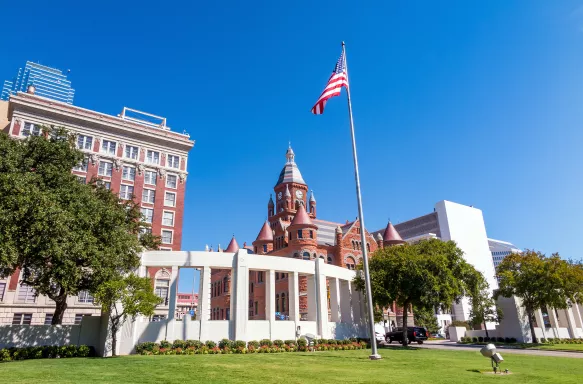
{"type": "Point", "coordinates": [398, 366]}
{"type": "Point", "coordinates": [557, 347]}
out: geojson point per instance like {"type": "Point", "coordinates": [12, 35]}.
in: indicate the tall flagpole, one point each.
{"type": "Point", "coordinates": [374, 355]}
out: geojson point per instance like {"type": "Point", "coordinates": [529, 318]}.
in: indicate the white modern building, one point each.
{"type": "Point", "coordinates": [500, 249]}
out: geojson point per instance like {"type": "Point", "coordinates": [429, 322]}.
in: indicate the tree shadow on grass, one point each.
{"type": "Point", "coordinates": [473, 370]}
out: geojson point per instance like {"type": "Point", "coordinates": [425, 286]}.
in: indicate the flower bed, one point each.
{"type": "Point", "coordinates": [225, 346]}
{"type": "Point", "coordinates": [46, 352]}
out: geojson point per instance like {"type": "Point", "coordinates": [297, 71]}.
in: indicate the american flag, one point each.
{"type": "Point", "coordinates": [338, 80]}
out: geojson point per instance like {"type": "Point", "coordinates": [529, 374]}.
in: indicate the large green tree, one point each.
{"type": "Point", "coordinates": [123, 298]}
{"type": "Point", "coordinates": [483, 307]}
{"type": "Point", "coordinates": [425, 317]}
{"type": "Point", "coordinates": [63, 235]}
{"type": "Point", "coordinates": [422, 275]}
{"type": "Point", "coordinates": [540, 281]}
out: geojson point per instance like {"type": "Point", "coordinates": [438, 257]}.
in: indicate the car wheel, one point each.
{"type": "Point", "coordinates": [420, 342]}
{"type": "Point", "coordinates": [389, 340]}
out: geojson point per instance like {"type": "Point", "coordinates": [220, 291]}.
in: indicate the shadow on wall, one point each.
{"type": "Point", "coordinates": [20, 336]}
{"type": "Point", "coordinates": [341, 331]}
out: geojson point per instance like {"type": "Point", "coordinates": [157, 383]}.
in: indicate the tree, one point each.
{"type": "Point", "coordinates": [424, 317]}
{"type": "Point", "coordinates": [65, 236]}
{"type": "Point", "coordinates": [124, 298]}
{"type": "Point", "coordinates": [483, 307]}
{"type": "Point", "coordinates": [540, 281]}
{"type": "Point", "coordinates": [422, 275]}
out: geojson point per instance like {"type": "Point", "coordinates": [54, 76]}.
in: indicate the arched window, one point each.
{"type": "Point", "coordinates": [225, 284]}
{"type": "Point", "coordinates": [306, 256]}
{"type": "Point", "coordinates": [161, 285]}
{"type": "Point", "coordinates": [296, 255]}
{"type": "Point", "coordinates": [368, 247]}
{"type": "Point", "coordinates": [350, 263]}
{"type": "Point", "coordinates": [329, 260]}
{"type": "Point", "coordinates": [353, 245]}
{"type": "Point", "coordinates": [323, 258]}
{"type": "Point", "coordinates": [283, 302]}
{"type": "Point", "coordinates": [277, 303]}
{"type": "Point", "coordinates": [264, 248]}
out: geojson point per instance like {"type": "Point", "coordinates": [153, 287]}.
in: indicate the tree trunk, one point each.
{"type": "Point", "coordinates": [486, 329]}
{"type": "Point", "coordinates": [405, 330]}
{"type": "Point", "coordinates": [114, 328]}
{"type": "Point", "coordinates": [530, 314]}
{"type": "Point", "coordinates": [60, 308]}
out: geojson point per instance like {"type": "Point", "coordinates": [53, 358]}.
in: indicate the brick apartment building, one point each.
{"type": "Point", "coordinates": [293, 230]}
{"type": "Point", "coordinates": [130, 153]}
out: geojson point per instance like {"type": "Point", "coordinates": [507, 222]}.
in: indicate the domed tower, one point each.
{"type": "Point", "coordinates": [391, 236]}
{"type": "Point", "coordinates": [264, 242]}
{"type": "Point", "coordinates": [233, 245]}
{"type": "Point", "coordinates": [290, 190]}
{"type": "Point", "coordinates": [301, 230]}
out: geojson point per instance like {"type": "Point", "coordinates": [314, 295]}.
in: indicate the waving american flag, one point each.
{"type": "Point", "coordinates": [338, 80]}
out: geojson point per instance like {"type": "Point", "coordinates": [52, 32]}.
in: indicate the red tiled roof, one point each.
{"type": "Point", "coordinates": [233, 246]}
{"type": "Point", "coordinates": [391, 236]}
{"type": "Point", "coordinates": [302, 218]}
{"type": "Point", "coordinates": [265, 234]}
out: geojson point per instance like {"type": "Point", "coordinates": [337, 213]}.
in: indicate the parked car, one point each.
{"type": "Point", "coordinates": [379, 336]}
{"type": "Point", "coordinates": [414, 334]}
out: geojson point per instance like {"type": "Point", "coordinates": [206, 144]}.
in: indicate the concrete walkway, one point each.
{"type": "Point", "coordinates": [452, 346]}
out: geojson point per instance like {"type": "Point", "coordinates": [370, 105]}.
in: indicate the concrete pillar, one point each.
{"type": "Point", "coordinates": [312, 305]}
{"type": "Point", "coordinates": [347, 314]}
{"type": "Point", "coordinates": [577, 314]}
{"type": "Point", "coordinates": [573, 332]}
{"type": "Point", "coordinates": [240, 297]}
{"type": "Point", "coordinates": [204, 302]}
{"type": "Point", "coordinates": [270, 299]}
{"type": "Point", "coordinates": [321, 300]}
{"type": "Point", "coordinates": [171, 321]}
{"type": "Point", "coordinates": [357, 307]}
{"type": "Point", "coordinates": [538, 315]}
{"type": "Point", "coordinates": [554, 321]}
{"type": "Point", "coordinates": [335, 311]}
{"type": "Point", "coordinates": [293, 297]}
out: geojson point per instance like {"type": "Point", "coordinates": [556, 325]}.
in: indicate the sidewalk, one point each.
{"type": "Point", "coordinates": [465, 347]}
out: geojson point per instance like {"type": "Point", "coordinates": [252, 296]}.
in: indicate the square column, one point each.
{"type": "Point", "coordinates": [335, 310]}
{"type": "Point", "coordinates": [240, 297]}
{"type": "Point", "coordinates": [293, 297]}
{"type": "Point", "coordinates": [321, 300]}
{"type": "Point", "coordinates": [573, 332]}
{"type": "Point", "coordinates": [347, 314]}
{"type": "Point", "coordinates": [172, 304]}
{"type": "Point", "coordinates": [357, 307]}
{"type": "Point", "coordinates": [577, 314]}
{"type": "Point", "coordinates": [554, 321]}
{"type": "Point", "coordinates": [270, 299]}
{"type": "Point", "coordinates": [312, 304]}
{"type": "Point", "coordinates": [204, 302]}
{"type": "Point", "coordinates": [538, 315]}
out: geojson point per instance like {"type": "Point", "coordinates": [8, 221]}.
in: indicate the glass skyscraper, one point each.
{"type": "Point", "coordinates": [48, 82]}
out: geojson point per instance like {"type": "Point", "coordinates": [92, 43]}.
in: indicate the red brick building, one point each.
{"type": "Point", "coordinates": [131, 154]}
{"type": "Point", "coordinates": [293, 230]}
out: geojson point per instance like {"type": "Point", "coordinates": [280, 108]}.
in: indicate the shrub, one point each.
{"type": "Point", "coordinates": [4, 355]}
{"type": "Point", "coordinates": [542, 340]}
{"type": "Point", "coordinates": [480, 339]}
{"type": "Point", "coordinates": [225, 343]}
{"type": "Point", "coordinates": [165, 344]}
{"type": "Point", "coordinates": [500, 339]}
{"type": "Point", "coordinates": [278, 343]}
{"type": "Point", "coordinates": [179, 344]}
{"type": "Point", "coordinates": [332, 342]}
{"type": "Point", "coordinates": [253, 343]}
{"type": "Point", "coordinates": [513, 340]}
{"type": "Point", "coordinates": [290, 342]}
{"type": "Point", "coordinates": [210, 345]}
{"type": "Point", "coordinates": [148, 346]}
{"type": "Point", "coordinates": [240, 344]}
{"type": "Point", "coordinates": [459, 323]}
{"type": "Point", "coordinates": [474, 339]}
{"type": "Point", "coordinates": [265, 342]}
{"type": "Point", "coordinates": [486, 339]}
{"type": "Point", "coordinates": [302, 342]}
{"type": "Point", "coordinates": [84, 351]}
{"type": "Point", "coordinates": [193, 344]}
{"type": "Point", "coordinates": [507, 340]}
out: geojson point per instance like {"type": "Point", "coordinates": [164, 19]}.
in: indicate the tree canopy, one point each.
{"type": "Point", "coordinates": [65, 236]}
{"type": "Point", "coordinates": [539, 281]}
{"type": "Point", "coordinates": [423, 275]}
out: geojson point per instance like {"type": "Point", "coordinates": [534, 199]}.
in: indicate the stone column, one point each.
{"type": "Point", "coordinates": [270, 299]}
{"type": "Point", "coordinates": [172, 304]}
{"type": "Point", "coordinates": [357, 307]}
{"type": "Point", "coordinates": [554, 321]}
{"type": "Point", "coordinates": [573, 332]}
{"type": "Point", "coordinates": [538, 315]}
{"type": "Point", "coordinates": [577, 315]}
{"type": "Point", "coordinates": [321, 300]}
{"type": "Point", "coordinates": [347, 314]}
{"type": "Point", "coordinates": [335, 310]}
{"type": "Point", "coordinates": [240, 296]}
{"type": "Point", "coordinates": [312, 304]}
{"type": "Point", "coordinates": [204, 302]}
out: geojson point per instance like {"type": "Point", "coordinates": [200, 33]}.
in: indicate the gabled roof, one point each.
{"type": "Point", "coordinates": [265, 234]}
{"type": "Point", "coordinates": [233, 246]}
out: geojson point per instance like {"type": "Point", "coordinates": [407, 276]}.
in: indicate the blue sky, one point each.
{"type": "Point", "coordinates": [474, 102]}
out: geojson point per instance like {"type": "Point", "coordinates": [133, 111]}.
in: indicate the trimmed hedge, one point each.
{"type": "Point", "coordinates": [46, 352]}
{"type": "Point", "coordinates": [226, 346]}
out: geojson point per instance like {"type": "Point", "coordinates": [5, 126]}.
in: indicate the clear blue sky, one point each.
{"type": "Point", "coordinates": [474, 102]}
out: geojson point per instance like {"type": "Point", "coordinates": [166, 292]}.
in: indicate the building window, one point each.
{"type": "Point", "coordinates": [108, 147]}
{"type": "Point", "coordinates": [48, 318]}
{"type": "Point", "coordinates": [350, 264]}
{"type": "Point", "coordinates": [148, 214]}
{"type": "Point", "coordinates": [306, 256]}
{"type": "Point", "coordinates": [173, 161]}
{"type": "Point", "coordinates": [171, 181]}
{"type": "Point", "coordinates": [311, 234]}
{"type": "Point", "coordinates": [2, 288]}
{"type": "Point", "coordinates": [260, 277]}
{"type": "Point", "coordinates": [265, 248]}
{"type": "Point", "coordinates": [170, 199]}
{"type": "Point", "coordinates": [82, 166]}
{"type": "Point", "coordinates": [368, 247]}
{"type": "Point", "coordinates": [168, 219]}
{"type": "Point", "coordinates": [152, 157]}
{"type": "Point", "coordinates": [329, 260]}
{"type": "Point", "coordinates": [81, 179]}
{"type": "Point", "coordinates": [126, 191]}
{"type": "Point", "coordinates": [148, 196]}
{"type": "Point", "coordinates": [150, 177]}
{"type": "Point", "coordinates": [277, 303]}
{"type": "Point", "coordinates": [26, 294]}
{"type": "Point", "coordinates": [228, 313]}
{"type": "Point", "coordinates": [256, 308]}
{"type": "Point", "coordinates": [251, 287]}
{"type": "Point", "coordinates": [104, 184]}
{"type": "Point", "coordinates": [166, 237]}
{"type": "Point", "coordinates": [31, 129]}
{"type": "Point", "coordinates": [143, 231]}
{"type": "Point", "coordinates": [128, 173]}
{"type": "Point", "coordinates": [283, 302]}
{"type": "Point", "coordinates": [22, 319]}
{"type": "Point", "coordinates": [225, 284]}
{"type": "Point", "coordinates": [161, 285]}
{"type": "Point", "coordinates": [131, 152]}
{"type": "Point", "coordinates": [85, 297]}
{"type": "Point", "coordinates": [300, 234]}
{"type": "Point", "coordinates": [105, 169]}
{"type": "Point", "coordinates": [84, 142]}
{"type": "Point", "coordinates": [157, 318]}
{"type": "Point", "coordinates": [79, 317]}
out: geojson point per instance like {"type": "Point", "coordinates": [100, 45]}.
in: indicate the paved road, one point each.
{"type": "Point", "coordinates": [457, 347]}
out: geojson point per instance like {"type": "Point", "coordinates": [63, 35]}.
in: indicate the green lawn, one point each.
{"type": "Point", "coordinates": [558, 347]}
{"type": "Point", "coordinates": [398, 366]}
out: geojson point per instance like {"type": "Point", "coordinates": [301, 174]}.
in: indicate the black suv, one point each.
{"type": "Point", "coordinates": [417, 334]}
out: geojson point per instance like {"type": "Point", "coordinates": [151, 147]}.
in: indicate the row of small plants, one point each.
{"type": "Point", "coordinates": [226, 346]}
{"type": "Point", "coordinates": [46, 352]}
{"type": "Point", "coordinates": [480, 339]}
{"type": "Point", "coordinates": [550, 340]}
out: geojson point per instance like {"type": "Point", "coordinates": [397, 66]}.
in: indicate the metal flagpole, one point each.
{"type": "Point", "coordinates": [374, 355]}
